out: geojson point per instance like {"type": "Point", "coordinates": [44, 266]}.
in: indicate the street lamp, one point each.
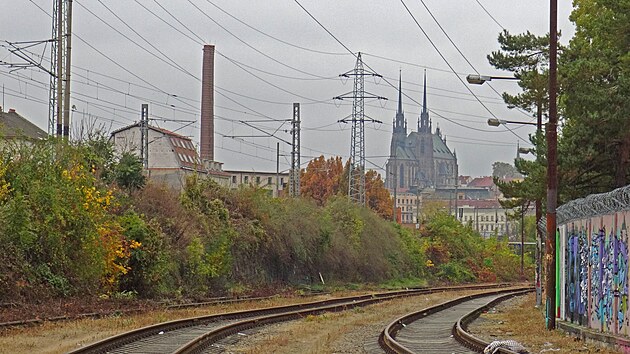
{"type": "Point", "coordinates": [495, 122]}
{"type": "Point", "coordinates": [477, 79]}
{"type": "Point", "coordinates": [525, 151]}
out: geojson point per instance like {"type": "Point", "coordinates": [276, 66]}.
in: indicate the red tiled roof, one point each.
{"type": "Point", "coordinates": [482, 182]}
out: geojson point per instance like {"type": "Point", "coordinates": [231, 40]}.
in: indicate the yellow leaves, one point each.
{"type": "Point", "coordinates": [5, 187]}
{"type": "Point", "coordinates": [429, 263]}
{"type": "Point", "coordinates": [117, 251]}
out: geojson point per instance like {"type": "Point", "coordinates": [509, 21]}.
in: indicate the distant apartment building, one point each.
{"type": "Point", "coordinates": [474, 203]}
{"type": "Point", "coordinates": [171, 158]}
{"type": "Point", "coordinates": [276, 184]}
{"type": "Point", "coordinates": [487, 217]}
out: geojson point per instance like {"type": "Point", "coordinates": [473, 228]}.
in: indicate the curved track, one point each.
{"type": "Point", "coordinates": [441, 328]}
{"type": "Point", "coordinates": [194, 335]}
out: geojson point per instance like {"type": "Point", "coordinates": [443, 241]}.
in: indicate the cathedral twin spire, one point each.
{"type": "Point", "coordinates": [400, 125]}
{"type": "Point", "coordinates": [424, 123]}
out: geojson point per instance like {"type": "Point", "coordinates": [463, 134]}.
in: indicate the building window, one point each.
{"type": "Point", "coordinates": [246, 179]}
{"type": "Point", "coordinates": [257, 179]}
{"type": "Point", "coordinates": [234, 179]}
{"type": "Point", "coordinates": [282, 181]}
{"type": "Point", "coordinates": [269, 180]}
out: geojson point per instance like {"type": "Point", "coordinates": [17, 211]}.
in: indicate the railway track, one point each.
{"type": "Point", "coordinates": [198, 334]}
{"type": "Point", "coordinates": [442, 328]}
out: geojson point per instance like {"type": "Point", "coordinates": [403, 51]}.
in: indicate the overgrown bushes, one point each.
{"type": "Point", "coordinates": [68, 229]}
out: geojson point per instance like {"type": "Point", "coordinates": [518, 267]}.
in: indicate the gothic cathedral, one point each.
{"type": "Point", "coordinates": [421, 159]}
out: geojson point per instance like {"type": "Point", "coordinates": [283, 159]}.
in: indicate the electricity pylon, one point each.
{"type": "Point", "coordinates": [356, 174]}
{"type": "Point", "coordinates": [59, 95]}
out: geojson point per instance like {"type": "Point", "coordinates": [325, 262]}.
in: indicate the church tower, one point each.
{"type": "Point", "coordinates": [400, 125]}
{"type": "Point", "coordinates": [423, 171]}
{"type": "Point", "coordinates": [424, 123]}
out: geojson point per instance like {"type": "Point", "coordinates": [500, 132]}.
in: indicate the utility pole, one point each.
{"type": "Point", "coordinates": [395, 184]}
{"type": "Point", "coordinates": [144, 136]}
{"type": "Point", "coordinates": [356, 174]}
{"type": "Point", "coordinates": [277, 170]}
{"type": "Point", "coordinates": [523, 239]}
{"type": "Point", "coordinates": [539, 235]}
{"type": "Point", "coordinates": [60, 62]}
{"type": "Point", "coordinates": [552, 169]}
{"type": "Point", "coordinates": [294, 172]}
{"type": "Point", "coordinates": [456, 197]}
{"type": "Point", "coordinates": [66, 87]}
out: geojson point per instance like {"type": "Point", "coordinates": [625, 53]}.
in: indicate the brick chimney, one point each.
{"type": "Point", "coordinates": [207, 104]}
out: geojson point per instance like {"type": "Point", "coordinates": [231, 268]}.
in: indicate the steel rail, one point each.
{"type": "Point", "coordinates": [134, 336]}
{"type": "Point", "coordinates": [387, 338]}
{"type": "Point", "coordinates": [467, 339]}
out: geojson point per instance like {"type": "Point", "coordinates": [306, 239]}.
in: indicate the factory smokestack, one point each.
{"type": "Point", "coordinates": [207, 104]}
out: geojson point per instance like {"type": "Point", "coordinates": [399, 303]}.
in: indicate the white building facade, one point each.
{"type": "Point", "coordinates": [171, 157]}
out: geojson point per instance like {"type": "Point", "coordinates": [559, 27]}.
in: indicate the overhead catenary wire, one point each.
{"type": "Point", "coordinates": [465, 58]}
{"type": "Point", "coordinates": [251, 46]}
{"type": "Point", "coordinates": [244, 112]}
{"type": "Point", "coordinates": [488, 13]}
{"type": "Point", "coordinates": [451, 67]}
{"type": "Point", "coordinates": [117, 63]}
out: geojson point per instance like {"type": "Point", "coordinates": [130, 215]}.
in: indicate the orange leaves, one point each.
{"type": "Point", "coordinates": [322, 178]}
{"type": "Point", "coordinates": [378, 198]}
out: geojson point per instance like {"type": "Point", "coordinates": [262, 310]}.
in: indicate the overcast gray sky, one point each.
{"type": "Point", "coordinates": [271, 54]}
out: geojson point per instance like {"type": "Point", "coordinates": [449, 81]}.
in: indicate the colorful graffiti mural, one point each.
{"type": "Point", "coordinates": [621, 277]}
{"type": "Point", "coordinates": [595, 273]}
{"type": "Point", "coordinates": [576, 259]}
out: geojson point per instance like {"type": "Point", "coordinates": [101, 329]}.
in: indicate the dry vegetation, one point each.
{"type": "Point", "coordinates": [519, 320]}
{"type": "Point", "coordinates": [61, 337]}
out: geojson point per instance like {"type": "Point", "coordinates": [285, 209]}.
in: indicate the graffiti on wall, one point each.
{"type": "Point", "coordinates": [596, 271]}
{"type": "Point", "coordinates": [607, 287]}
{"type": "Point", "coordinates": [583, 286]}
{"type": "Point", "coordinates": [576, 260]}
{"type": "Point", "coordinates": [620, 270]}
{"type": "Point", "coordinates": [596, 274]}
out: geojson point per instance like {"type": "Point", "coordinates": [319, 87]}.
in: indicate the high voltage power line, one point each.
{"type": "Point", "coordinates": [161, 91]}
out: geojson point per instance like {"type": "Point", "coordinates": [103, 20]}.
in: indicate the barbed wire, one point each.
{"type": "Point", "coordinates": [591, 206]}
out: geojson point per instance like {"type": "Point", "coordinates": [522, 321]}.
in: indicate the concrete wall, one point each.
{"type": "Point", "coordinates": [592, 273]}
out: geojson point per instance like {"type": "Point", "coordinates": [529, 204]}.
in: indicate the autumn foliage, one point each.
{"type": "Point", "coordinates": [324, 178]}
{"type": "Point", "coordinates": [68, 229]}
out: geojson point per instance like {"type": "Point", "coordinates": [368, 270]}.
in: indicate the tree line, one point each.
{"type": "Point", "coordinates": [594, 109]}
